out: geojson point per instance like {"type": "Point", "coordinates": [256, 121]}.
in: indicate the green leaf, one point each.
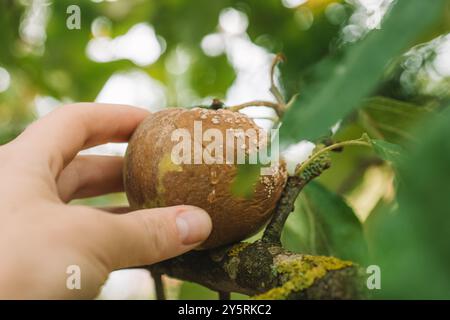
{"type": "Point", "coordinates": [248, 174]}
{"type": "Point", "coordinates": [244, 183]}
{"type": "Point", "coordinates": [390, 119]}
{"type": "Point", "coordinates": [412, 243]}
{"type": "Point", "coordinates": [388, 151]}
{"type": "Point", "coordinates": [324, 224]}
{"type": "Point", "coordinates": [340, 83]}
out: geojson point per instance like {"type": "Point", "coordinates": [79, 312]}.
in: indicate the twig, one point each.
{"type": "Point", "coordinates": [224, 295]}
{"type": "Point", "coordinates": [304, 173]}
{"type": "Point", "coordinates": [259, 103]}
{"type": "Point", "coordinates": [291, 101]}
{"type": "Point", "coordinates": [159, 285]}
{"type": "Point", "coordinates": [361, 142]}
{"type": "Point", "coordinates": [295, 184]}
{"type": "Point", "coordinates": [280, 105]}
{"type": "Point", "coordinates": [273, 88]}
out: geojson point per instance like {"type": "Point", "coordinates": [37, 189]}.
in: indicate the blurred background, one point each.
{"type": "Point", "coordinates": [158, 54]}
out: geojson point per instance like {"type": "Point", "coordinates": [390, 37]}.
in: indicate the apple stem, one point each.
{"type": "Point", "coordinates": [259, 103]}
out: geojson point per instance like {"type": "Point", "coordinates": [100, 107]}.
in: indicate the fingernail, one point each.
{"type": "Point", "coordinates": [193, 226]}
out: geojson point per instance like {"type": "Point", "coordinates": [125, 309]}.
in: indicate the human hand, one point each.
{"type": "Point", "coordinates": [41, 235]}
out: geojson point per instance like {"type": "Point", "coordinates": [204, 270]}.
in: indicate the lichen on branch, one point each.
{"type": "Point", "coordinates": [267, 271]}
{"type": "Point", "coordinates": [300, 272]}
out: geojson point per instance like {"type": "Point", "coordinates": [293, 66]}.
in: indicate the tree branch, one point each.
{"type": "Point", "coordinates": [285, 206]}
{"type": "Point", "coordinates": [267, 271]}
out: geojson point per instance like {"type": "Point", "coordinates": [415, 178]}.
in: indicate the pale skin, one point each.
{"type": "Point", "coordinates": [41, 233]}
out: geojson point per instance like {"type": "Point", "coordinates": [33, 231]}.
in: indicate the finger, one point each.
{"type": "Point", "coordinates": [60, 135]}
{"type": "Point", "coordinates": [90, 176]}
{"type": "Point", "coordinates": [147, 236]}
{"type": "Point", "coordinates": [116, 209]}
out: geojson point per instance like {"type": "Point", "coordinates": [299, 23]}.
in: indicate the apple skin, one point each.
{"type": "Point", "coordinates": [153, 180]}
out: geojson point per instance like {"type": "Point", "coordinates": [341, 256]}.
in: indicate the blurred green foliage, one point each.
{"type": "Point", "coordinates": [360, 83]}
{"type": "Point", "coordinates": [341, 82]}
{"type": "Point", "coordinates": [410, 239]}
{"type": "Point", "coordinates": [390, 119]}
{"type": "Point", "coordinates": [312, 228]}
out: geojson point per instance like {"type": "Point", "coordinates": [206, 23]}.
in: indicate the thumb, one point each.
{"type": "Point", "coordinates": [148, 236]}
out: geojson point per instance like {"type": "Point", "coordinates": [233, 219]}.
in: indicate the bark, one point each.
{"type": "Point", "coordinates": [267, 271]}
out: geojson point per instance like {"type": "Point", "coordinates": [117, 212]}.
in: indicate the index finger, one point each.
{"type": "Point", "coordinates": [60, 135]}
